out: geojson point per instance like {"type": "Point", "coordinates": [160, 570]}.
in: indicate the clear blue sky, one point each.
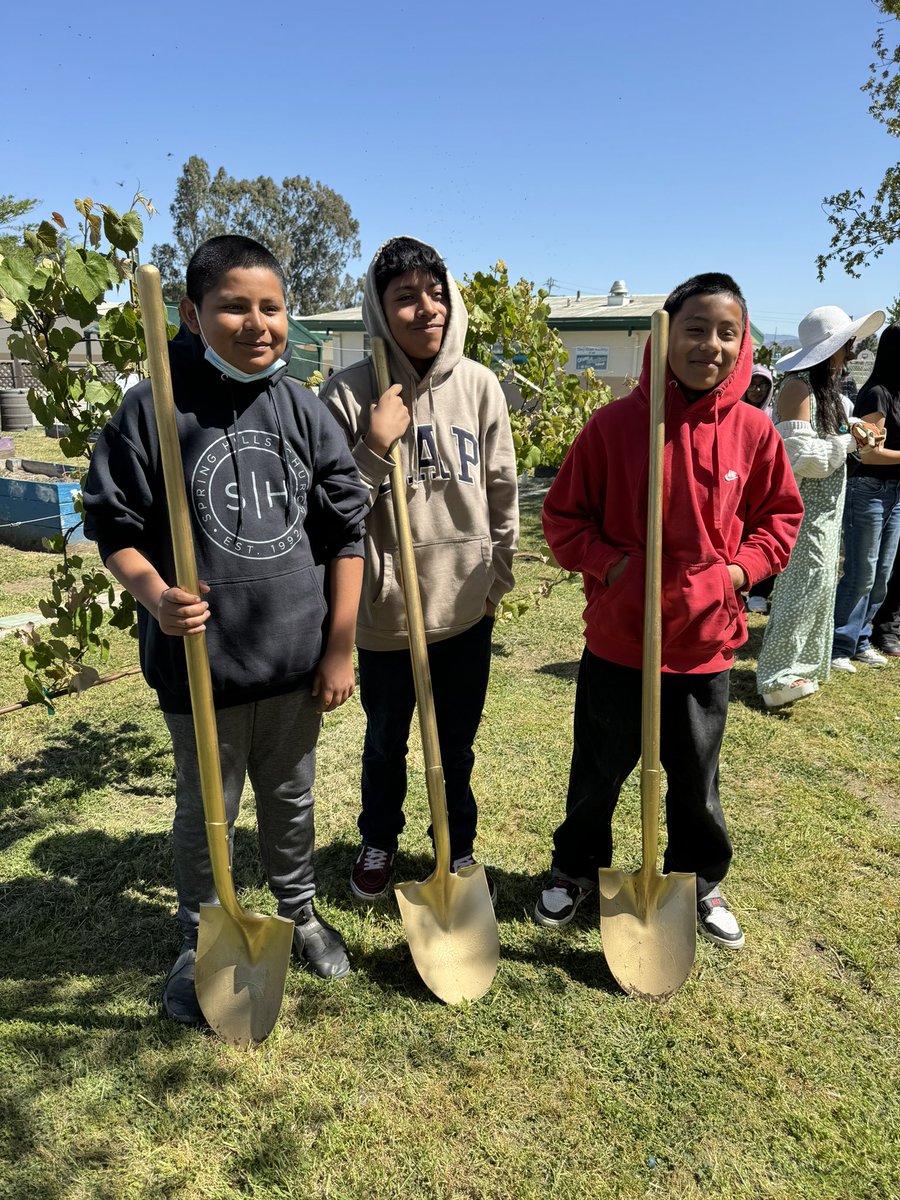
{"type": "Point", "coordinates": [583, 141]}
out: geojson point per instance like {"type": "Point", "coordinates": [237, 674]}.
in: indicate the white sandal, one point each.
{"type": "Point", "coordinates": [793, 691]}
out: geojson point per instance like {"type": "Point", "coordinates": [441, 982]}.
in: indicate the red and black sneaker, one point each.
{"type": "Point", "coordinates": [371, 873]}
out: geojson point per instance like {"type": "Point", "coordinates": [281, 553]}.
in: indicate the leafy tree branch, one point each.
{"type": "Point", "coordinates": [864, 229]}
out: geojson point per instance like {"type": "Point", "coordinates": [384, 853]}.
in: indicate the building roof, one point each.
{"type": "Point", "coordinates": [566, 312]}
{"type": "Point", "coordinates": [341, 320]}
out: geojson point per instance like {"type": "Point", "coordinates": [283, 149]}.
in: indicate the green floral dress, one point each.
{"type": "Point", "coordinates": [797, 640]}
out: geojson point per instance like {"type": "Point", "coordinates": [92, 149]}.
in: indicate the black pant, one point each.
{"type": "Point", "coordinates": [763, 588]}
{"type": "Point", "coordinates": [886, 622]}
{"type": "Point", "coordinates": [460, 667]}
{"type": "Point", "coordinates": [607, 747]}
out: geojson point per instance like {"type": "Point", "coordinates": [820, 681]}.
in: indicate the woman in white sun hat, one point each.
{"type": "Point", "coordinates": [796, 651]}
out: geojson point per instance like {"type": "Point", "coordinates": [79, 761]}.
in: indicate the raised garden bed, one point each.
{"type": "Point", "coordinates": [37, 501]}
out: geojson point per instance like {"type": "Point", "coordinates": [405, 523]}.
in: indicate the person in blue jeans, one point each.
{"type": "Point", "coordinates": [871, 523]}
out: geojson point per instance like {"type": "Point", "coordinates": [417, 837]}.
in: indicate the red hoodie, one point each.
{"type": "Point", "coordinates": [729, 496]}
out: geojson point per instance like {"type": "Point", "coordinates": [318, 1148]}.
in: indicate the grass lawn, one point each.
{"type": "Point", "coordinates": [771, 1073]}
{"type": "Point", "coordinates": [34, 444]}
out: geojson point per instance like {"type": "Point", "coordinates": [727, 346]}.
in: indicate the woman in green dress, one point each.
{"type": "Point", "coordinates": [796, 651]}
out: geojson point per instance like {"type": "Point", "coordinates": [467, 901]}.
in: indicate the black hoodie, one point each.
{"type": "Point", "coordinates": [273, 494]}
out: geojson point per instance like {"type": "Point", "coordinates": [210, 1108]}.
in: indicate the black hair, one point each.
{"type": "Point", "coordinates": [886, 368]}
{"type": "Point", "coordinates": [403, 254]}
{"type": "Point", "coordinates": [825, 383]}
{"type": "Point", "coordinates": [228, 252]}
{"type": "Point", "coordinates": [710, 283]}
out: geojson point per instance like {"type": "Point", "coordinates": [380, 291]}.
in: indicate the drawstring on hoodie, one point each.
{"type": "Point", "coordinates": [236, 461]}
{"type": "Point", "coordinates": [282, 455]}
{"type": "Point", "coordinates": [231, 436]}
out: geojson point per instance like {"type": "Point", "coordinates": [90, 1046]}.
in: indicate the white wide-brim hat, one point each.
{"type": "Point", "coordinates": [823, 331]}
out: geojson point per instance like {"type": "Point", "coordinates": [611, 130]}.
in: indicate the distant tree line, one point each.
{"type": "Point", "coordinates": [308, 227]}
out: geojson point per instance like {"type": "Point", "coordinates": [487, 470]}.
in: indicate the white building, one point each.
{"type": "Point", "coordinates": [607, 333]}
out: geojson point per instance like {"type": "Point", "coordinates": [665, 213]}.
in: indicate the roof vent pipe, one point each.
{"type": "Point", "coordinates": [618, 294]}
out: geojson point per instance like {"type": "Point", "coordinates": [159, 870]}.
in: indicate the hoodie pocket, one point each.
{"type": "Point", "coordinates": [382, 588]}
{"type": "Point", "coordinates": [262, 632]}
{"type": "Point", "coordinates": [454, 580]}
{"type": "Point", "coordinates": [700, 609]}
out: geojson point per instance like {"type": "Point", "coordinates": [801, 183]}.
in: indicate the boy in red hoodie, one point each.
{"type": "Point", "coordinates": [731, 511]}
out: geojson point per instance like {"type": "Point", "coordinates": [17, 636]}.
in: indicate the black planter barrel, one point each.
{"type": "Point", "coordinates": [14, 411]}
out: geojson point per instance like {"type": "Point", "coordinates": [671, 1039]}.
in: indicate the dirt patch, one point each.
{"type": "Point", "coordinates": [864, 789]}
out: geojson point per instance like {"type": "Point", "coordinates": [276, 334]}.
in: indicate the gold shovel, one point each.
{"type": "Point", "coordinates": [648, 920]}
{"type": "Point", "coordinates": [449, 919]}
{"type": "Point", "coordinates": [242, 957]}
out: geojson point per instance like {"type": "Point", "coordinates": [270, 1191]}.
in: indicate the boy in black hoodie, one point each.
{"type": "Point", "coordinates": [277, 511]}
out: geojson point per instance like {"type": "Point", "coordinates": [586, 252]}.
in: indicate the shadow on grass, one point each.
{"type": "Point", "coordinates": [567, 671]}
{"type": "Point", "coordinates": [96, 909]}
{"type": "Point", "coordinates": [751, 647]}
{"type": "Point", "coordinates": [81, 758]}
{"type": "Point", "coordinates": [392, 968]}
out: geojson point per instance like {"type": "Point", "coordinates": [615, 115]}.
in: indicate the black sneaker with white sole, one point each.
{"type": "Point", "coordinates": [559, 901]}
{"type": "Point", "coordinates": [468, 860]}
{"type": "Point", "coordinates": [717, 923]}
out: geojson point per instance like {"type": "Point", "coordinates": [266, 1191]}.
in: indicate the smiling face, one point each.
{"type": "Point", "coordinates": [417, 310]}
{"type": "Point", "coordinates": [242, 317]}
{"type": "Point", "coordinates": [704, 342]}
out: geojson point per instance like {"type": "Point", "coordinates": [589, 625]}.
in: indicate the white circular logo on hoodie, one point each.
{"type": "Point", "coordinates": [249, 492]}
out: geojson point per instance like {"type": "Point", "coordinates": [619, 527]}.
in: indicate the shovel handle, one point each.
{"type": "Point", "coordinates": [154, 320]}
{"type": "Point", "coordinates": [418, 646]}
{"type": "Point", "coordinates": [651, 682]}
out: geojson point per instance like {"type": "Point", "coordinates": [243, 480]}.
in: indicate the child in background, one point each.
{"type": "Point", "coordinates": [449, 414]}
{"type": "Point", "coordinates": [731, 513]}
{"type": "Point", "coordinates": [759, 394]}
{"type": "Point", "coordinates": [277, 510]}
{"type": "Point", "coordinates": [795, 657]}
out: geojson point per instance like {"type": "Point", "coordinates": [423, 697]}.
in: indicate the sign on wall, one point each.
{"type": "Point", "coordinates": [594, 358]}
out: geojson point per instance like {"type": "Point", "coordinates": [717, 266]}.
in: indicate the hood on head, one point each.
{"type": "Point", "coordinates": [454, 331]}
{"type": "Point", "coordinates": [727, 393]}
{"type": "Point", "coordinates": [762, 369]}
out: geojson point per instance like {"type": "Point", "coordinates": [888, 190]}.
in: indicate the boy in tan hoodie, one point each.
{"type": "Point", "coordinates": [450, 416]}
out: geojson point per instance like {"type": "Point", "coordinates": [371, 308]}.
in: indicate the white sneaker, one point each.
{"type": "Point", "coordinates": [757, 604]}
{"type": "Point", "coordinates": [717, 923]}
{"type": "Point", "coordinates": [843, 664]}
{"type": "Point", "coordinates": [870, 657]}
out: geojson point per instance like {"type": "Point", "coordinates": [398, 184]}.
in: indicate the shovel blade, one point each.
{"type": "Point", "coordinates": [452, 932]}
{"type": "Point", "coordinates": [241, 971]}
{"type": "Point", "coordinates": [648, 926]}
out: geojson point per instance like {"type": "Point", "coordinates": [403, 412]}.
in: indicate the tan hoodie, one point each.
{"type": "Point", "coordinates": [459, 464]}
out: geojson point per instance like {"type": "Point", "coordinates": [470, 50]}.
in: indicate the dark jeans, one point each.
{"type": "Point", "coordinates": [871, 533]}
{"type": "Point", "coordinates": [607, 747]}
{"type": "Point", "coordinates": [886, 622]}
{"type": "Point", "coordinates": [460, 667]}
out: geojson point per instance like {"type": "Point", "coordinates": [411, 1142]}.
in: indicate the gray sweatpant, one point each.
{"type": "Point", "coordinates": [274, 741]}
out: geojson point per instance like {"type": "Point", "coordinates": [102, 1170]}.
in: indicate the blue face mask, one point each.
{"type": "Point", "coordinates": [233, 372]}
